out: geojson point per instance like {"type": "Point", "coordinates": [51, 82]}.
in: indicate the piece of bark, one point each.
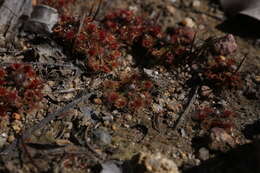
{"type": "Point", "coordinates": [12, 14]}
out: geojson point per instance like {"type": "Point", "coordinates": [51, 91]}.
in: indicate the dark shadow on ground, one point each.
{"type": "Point", "coordinates": [252, 131]}
{"type": "Point", "coordinates": [241, 25]}
{"type": "Point", "coordinates": [243, 159]}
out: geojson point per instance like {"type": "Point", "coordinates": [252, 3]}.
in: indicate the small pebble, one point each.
{"type": "Point", "coordinates": [114, 127]}
{"type": "Point", "coordinates": [62, 142]}
{"type": "Point", "coordinates": [183, 133]}
{"type": "Point", "coordinates": [226, 45]}
{"type": "Point", "coordinates": [221, 140]}
{"type": "Point", "coordinates": [66, 135]}
{"type": "Point", "coordinates": [157, 108]}
{"type": "Point", "coordinates": [102, 137]}
{"type": "Point", "coordinates": [128, 117]}
{"type": "Point", "coordinates": [153, 163]}
{"type": "Point", "coordinates": [188, 22]}
{"type": "Point", "coordinates": [203, 154]}
{"type": "Point", "coordinates": [133, 8]}
{"type": "Point", "coordinates": [97, 101]}
{"type": "Point", "coordinates": [206, 91]}
{"type": "Point", "coordinates": [171, 9]}
{"type": "Point", "coordinates": [175, 107]}
{"type": "Point", "coordinates": [181, 96]}
{"type": "Point", "coordinates": [16, 116]}
{"type": "Point", "coordinates": [196, 4]}
{"type": "Point", "coordinates": [3, 139]}
{"type": "Point", "coordinates": [257, 79]}
{"type": "Point", "coordinates": [197, 162]}
{"type": "Point", "coordinates": [111, 166]}
{"type": "Point", "coordinates": [11, 138]}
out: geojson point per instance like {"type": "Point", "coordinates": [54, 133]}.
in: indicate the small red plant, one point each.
{"type": "Point", "coordinates": [20, 89]}
{"type": "Point", "coordinates": [100, 48]}
{"type": "Point", "coordinates": [58, 4]}
{"type": "Point", "coordinates": [220, 72]}
{"type": "Point", "coordinates": [210, 118]}
{"type": "Point", "coordinates": [129, 92]}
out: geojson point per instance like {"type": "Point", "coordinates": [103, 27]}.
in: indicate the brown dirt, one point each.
{"type": "Point", "coordinates": [66, 144]}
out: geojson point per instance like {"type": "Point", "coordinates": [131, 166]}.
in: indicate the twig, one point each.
{"type": "Point", "coordinates": [98, 9]}
{"type": "Point", "coordinates": [91, 9]}
{"type": "Point", "coordinates": [92, 150]}
{"type": "Point", "coordinates": [42, 64]}
{"type": "Point", "coordinates": [81, 23]}
{"type": "Point", "coordinates": [27, 133]}
{"type": "Point", "coordinates": [187, 109]}
{"type": "Point", "coordinates": [29, 155]}
{"type": "Point", "coordinates": [241, 63]}
{"type": "Point", "coordinates": [70, 90]}
{"type": "Point", "coordinates": [155, 122]}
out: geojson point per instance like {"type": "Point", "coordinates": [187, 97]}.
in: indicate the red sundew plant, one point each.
{"type": "Point", "coordinates": [147, 40]}
{"type": "Point", "coordinates": [58, 4]}
{"type": "Point", "coordinates": [129, 92]}
{"type": "Point", "coordinates": [20, 89]}
{"type": "Point", "coordinates": [101, 43]}
{"type": "Point", "coordinates": [101, 48]}
{"type": "Point", "coordinates": [210, 118]}
{"type": "Point", "coordinates": [129, 28]}
{"type": "Point", "coordinates": [221, 72]}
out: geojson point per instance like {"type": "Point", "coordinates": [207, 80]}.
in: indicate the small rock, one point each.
{"type": "Point", "coordinates": [203, 153]}
{"type": "Point", "coordinates": [3, 139]}
{"type": "Point", "coordinates": [152, 163]}
{"type": "Point", "coordinates": [206, 91]}
{"type": "Point", "coordinates": [114, 127]}
{"type": "Point", "coordinates": [68, 96]}
{"type": "Point", "coordinates": [197, 162]}
{"type": "Point", "coordinates": [151, 73]}
{"type": "Point", "coordinates": [128, 117]}
{"type": "Point", "coordinates": [188, 22]}
{"type": "Point", "coordinates": [108, 117]}
{"type": "Point", "coordinates": [173, 106]}
{"type": "Point", "coordinates": [62, 142]}
{"type": "Point", "coordinates": [257, 79]}
{"type": "Point", "coordinates": [16, 116]}
{"type": "Point", "coordinates": [221, 140]}
{"type": "Point", "coordinates": [222, 103]}
{"type": "Point", "coordinates": [157, 108]}
{"type": "Point", "coordinates": [133, 8]}
{"type": "Point", "coordinates": [111, 167]}
{"type": "Point", "coordinates": [195, 67]}
{"type": "Point", "coordinates": [66, 135]}
{"type": "Point", "coordinates": [225, 45]}
{"type": "Point", "coordinates": [183, 133]}
{"type": "Point", "coordinates": [171, 9]}
{"type": "Point", "coordinates": [97, 101]}
{"type": "Point", "coordinates": [10, 138]}
{"type": "Point", "coordinates": [196, 4]}
{"type": "Point", "coordinates": [17, 126]}
{"type": "Point", "coordinates": [181, 96]}
{"type": "Point", "coordinates": [101, 137]}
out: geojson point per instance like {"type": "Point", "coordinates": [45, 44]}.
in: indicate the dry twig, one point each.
{"type": "Point", "coordinates": [27, 133]}
{"type": "Point", "coordinates": [187, 109]}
